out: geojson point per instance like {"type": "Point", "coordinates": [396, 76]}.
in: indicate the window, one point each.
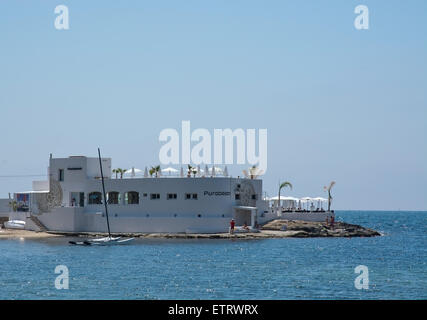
{"type": "Point", "coordinates": [172, 196]}
{"type": "Point", "coordinates": [132, 197]}
{"type": "Point", "coordinates": [254, 197]}
{"type": "Point", "coordinates": [61, 175]}
{"type": "Point", "coordinates": [95, 198]}
{"type": "Point", "coordinates": [154, 196]}
{"type": "Point", "coordinates": [237, 196]}
{"type": "Point", "coordinates": [189, 196]}
{"type": "Point", "coordinates": [145, 195]}
{"type": "Point", "coordinates": [113, 197]}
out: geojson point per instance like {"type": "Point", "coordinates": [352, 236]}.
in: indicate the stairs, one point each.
{"type": "Point", "coordinates": [38, 223]}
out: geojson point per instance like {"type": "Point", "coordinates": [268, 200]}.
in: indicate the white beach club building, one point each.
{"type": "Point", "coordinates": [73, 201]}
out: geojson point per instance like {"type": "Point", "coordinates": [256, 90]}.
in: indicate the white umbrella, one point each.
{"type": "Point", "coordinates": [146, 173]}
{"type": "Point", "coordinates": [206, 170]}
{"type": "Point", "coordinates": [306, 200]}
{"type": "Point", "coordinates": [225, 172]}
{"type": "Point", "coordinates": [170, 170]}
{"type": "Point", "coordinates": [133, 172]}
{"type": "Point", "coordinates": [320, 199]}
{"type": "Point", "coordinates": [217, 169]}
{"type": "Point", "coordinates": [213, 171]}
{"type": "Point", "coordinates": [199, 170]}
{"type": "Point", "coordinates": [283, 198]}
{"type": "Point", "coordinates": [290, 198]}
{"type": "Point", "coordinates": [182, 172]}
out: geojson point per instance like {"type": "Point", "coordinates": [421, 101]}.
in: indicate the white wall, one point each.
{"type": "Point", "coordinates": [75, 220]}
{"type": "Point", "coordinates": [76, 180]}
{"type": "Point", "coordinates": [4, 207]}
{"type": "Point", "coordinates": [41, 185]}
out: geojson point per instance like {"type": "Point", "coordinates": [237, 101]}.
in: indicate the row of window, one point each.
{"type": "Point", "coordinates": [132, 197]}
{"type": "Point", "coordinates": [237, 197]}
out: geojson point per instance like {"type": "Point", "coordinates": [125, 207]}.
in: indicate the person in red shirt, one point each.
{"type": "Point", "coordinates": [332, 221]}
{"type": "Point", "coordinates": [232, 224]}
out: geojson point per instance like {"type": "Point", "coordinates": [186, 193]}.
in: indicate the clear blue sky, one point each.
{"type": "Point", "coordinates": [340, 104]}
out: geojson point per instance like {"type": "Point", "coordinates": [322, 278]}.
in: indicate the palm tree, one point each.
{"type": "Point", "coordinates": [120, 171]}
{"type": "Point", "coordinates": [284, 185]}
{"type": "Point", "coordinates": [253, 172]}
{"type": "Point", "coordinates": [155, 170]}
{"type": "Point", "coordinates": [328, 188]}
{"type": "Point", "coordinates": [13, 205]}
{"type": "Point", "coordinates": [191, 170]}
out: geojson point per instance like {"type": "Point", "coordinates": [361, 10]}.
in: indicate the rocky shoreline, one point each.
{"type": "Point", "coordinates": [305, 229]}
{"type": "Point", "coordinates": [273, 229]}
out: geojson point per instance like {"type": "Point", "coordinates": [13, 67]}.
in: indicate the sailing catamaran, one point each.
{"type": "Point", "coordinates": [106, 240]}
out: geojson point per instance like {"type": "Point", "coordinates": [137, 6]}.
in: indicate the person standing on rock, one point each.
{"type": "Point", "coordinates": [232, 224]}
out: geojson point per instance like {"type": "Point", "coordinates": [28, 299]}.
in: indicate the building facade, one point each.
{"type": "Point", "coordinates": [74, 201]}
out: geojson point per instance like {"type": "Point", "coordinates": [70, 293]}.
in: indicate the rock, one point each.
{"type": "Point", "coordinates": [319, 229]}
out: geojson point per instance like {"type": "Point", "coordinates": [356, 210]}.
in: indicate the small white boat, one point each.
{"type": "Point", "coordinates": [107, 241]}
{"type": "Point", "coordinates": [14, 224]}
{"type": "Point", "coordinates": [110, 241]}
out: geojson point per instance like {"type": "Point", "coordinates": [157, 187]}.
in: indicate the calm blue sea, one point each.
{"type": "Point", "coordinates": [224, 269]}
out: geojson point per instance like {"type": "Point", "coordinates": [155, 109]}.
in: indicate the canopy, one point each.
{"type": "Point", "coordinates": [169, 170]}
{"type": "Point", "coordinates": [282, 198]}
{"type": "Point", "coordinates": [289, 198]}
{"type": "Point", "coordinates": [133, 172]}
{"type": "Point", "coordinates": [199, 171]}
{"type": "Point", "coordinates": [319, 199]}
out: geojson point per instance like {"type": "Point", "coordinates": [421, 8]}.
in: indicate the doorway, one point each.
{"type": "Point", "coordinates": [77, 199]}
